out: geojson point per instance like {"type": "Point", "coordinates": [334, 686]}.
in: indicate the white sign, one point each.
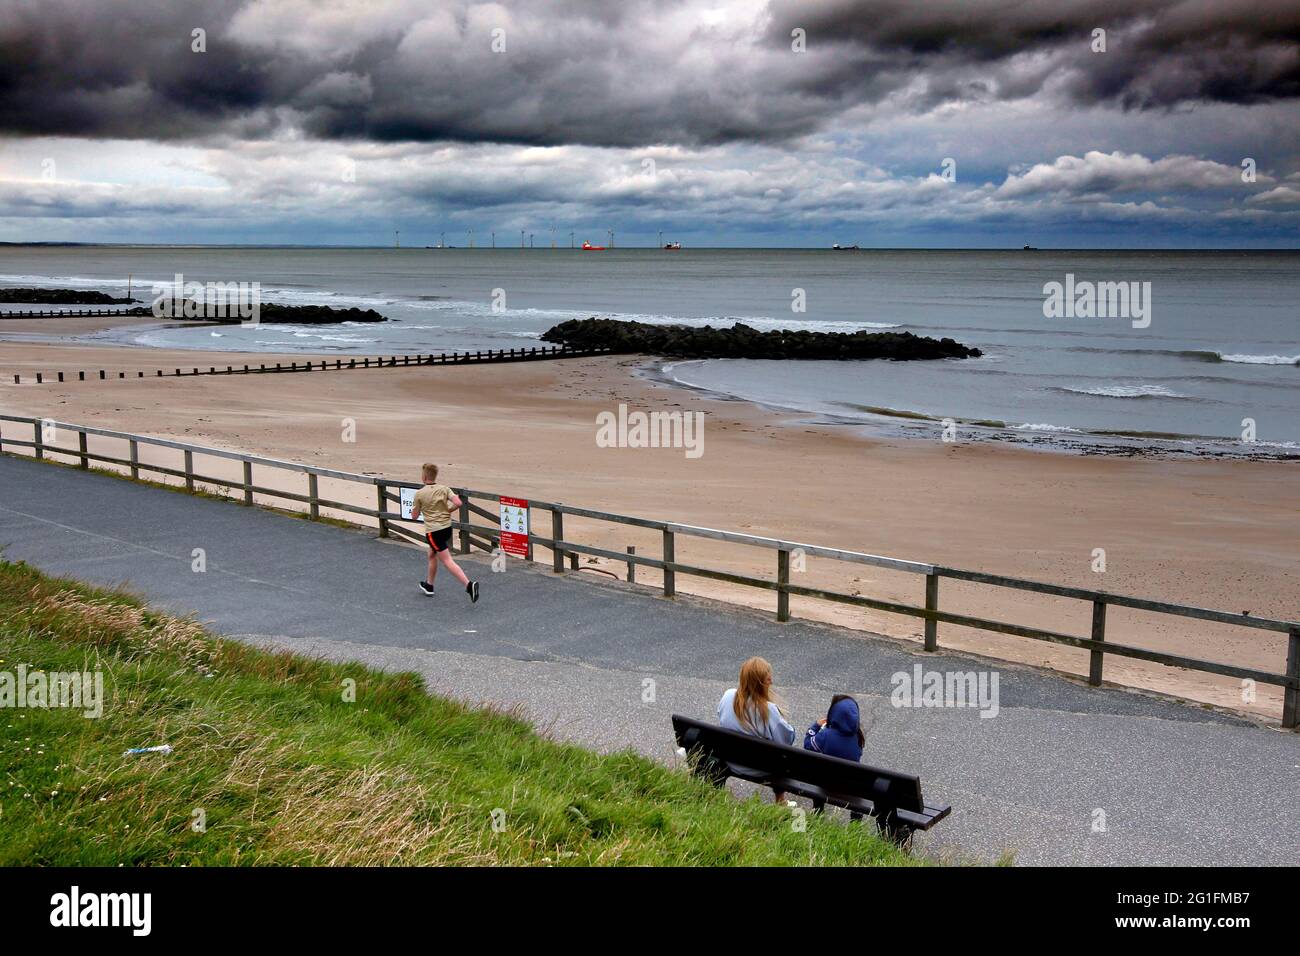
{"type": "Point", "coordinates": [408, 503]}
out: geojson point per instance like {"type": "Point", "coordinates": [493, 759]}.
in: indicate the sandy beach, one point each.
{"type": "Point", "coordinates": [1218, 534]}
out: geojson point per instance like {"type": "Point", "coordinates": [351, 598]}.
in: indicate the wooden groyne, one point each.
{"type": "Point", "coordinates": [133, 312]}
{"type": "Point", "coordinates": [490, 357]}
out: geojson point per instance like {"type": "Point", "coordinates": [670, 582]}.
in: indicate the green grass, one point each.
{"type": "Point", "coordinates": [287, 771]}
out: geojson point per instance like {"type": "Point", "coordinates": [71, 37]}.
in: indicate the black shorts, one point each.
{"type": "Point", "coordinates": [439, 540]}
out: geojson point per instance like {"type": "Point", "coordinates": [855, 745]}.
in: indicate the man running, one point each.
{"type": "Point", "coordinates": [434, 502]}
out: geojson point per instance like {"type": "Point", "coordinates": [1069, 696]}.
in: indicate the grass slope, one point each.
{"type": "Point", "coordinates": [286, 771]}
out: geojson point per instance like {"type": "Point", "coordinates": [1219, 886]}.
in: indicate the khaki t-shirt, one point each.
{"type": "Point", "coordinates": [431, 503]}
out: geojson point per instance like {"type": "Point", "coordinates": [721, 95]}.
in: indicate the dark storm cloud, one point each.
{"type": "Point", "coordinates": [573, 71]}
{"type": "Point", "coordinates": [123, 69]}
{"type": "Point", "coordinates": [600, 73]}
{"type": "Point", "coordinates": [1159, 53]}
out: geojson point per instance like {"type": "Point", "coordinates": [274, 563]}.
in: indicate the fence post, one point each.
{"type": "Point", "coordinates": [248, 482]}
{"type": "Point", "coordinates": [557, 535]}
{"type": "Point", "coordinates": [670, 576]}
{"type": "Point", "coordinates": [931, 604]}
{"type": "Point", "coordinates": [464, 524]}
{"type": "Point", "coordinates": [81, 444]}
{"type": "Point", "coordinates": [1097, 656]}
{"type": "Point", "coordinates": [382, 508]}
{"type": "Point", "coordinates": [189, 470]}
{"type": "Point", "coordinates": [631, 565]}
{"type": "Point", "coordinates": [40, 447]}
{"type": "Point", "coordinates": [314, 502]}
{"type": "Point", "coordinates": [1291, 696]}
{"type": "Point", "coordinates": [135, 459]}
{"type": "Point", "coordinates": [782, 582]}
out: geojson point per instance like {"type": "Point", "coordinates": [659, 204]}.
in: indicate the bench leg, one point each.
{"type": "Point", "coordinates": [714, 771]}
{"type": "Point", "coordinates": [900, 834]}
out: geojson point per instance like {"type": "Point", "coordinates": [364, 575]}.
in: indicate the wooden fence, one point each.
{"type": "Point", "coordinates": [387, 492]}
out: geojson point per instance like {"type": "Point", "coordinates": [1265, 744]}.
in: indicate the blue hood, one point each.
{"type": "Point", "coordinates": [843, 717]}
{"type": "Point", "coordinates": [839, 738]}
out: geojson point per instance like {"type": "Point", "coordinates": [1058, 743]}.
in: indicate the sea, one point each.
{"type": "Point", "coordinates": [1211, 367]}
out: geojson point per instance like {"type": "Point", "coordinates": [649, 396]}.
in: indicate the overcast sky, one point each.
{"type": "Point", "coordinates": [741, 122]}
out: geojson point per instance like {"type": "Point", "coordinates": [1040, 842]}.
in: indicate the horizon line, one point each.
{"type": "Point", "coordinates": [56, 243]}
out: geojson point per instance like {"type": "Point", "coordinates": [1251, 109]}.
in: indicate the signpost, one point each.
{"type": "Point", "coordinates": [514, 526]}
{"type": "Point", "coordinates": [408, 503]}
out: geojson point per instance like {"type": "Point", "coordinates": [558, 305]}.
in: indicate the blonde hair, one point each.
{"type": "Point", "coordinates": [754, 692]}
{"type": "Point", "coordinates": [429, 472]}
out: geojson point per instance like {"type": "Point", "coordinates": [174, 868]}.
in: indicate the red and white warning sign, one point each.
{"type": "Point", "coordinates": [514, 526]}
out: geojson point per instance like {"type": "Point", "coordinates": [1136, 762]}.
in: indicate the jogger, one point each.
{"type": "Point", "coordinates": [433, 503]}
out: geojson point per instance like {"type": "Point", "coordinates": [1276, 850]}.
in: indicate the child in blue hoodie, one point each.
{"type": "Point", "coordinates": [839, 733]}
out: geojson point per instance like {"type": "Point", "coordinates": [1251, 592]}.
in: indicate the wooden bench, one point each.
{"type": "Point", "coordinates": [893, 799]}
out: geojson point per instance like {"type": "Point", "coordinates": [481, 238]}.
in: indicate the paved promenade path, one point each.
{"type": "Point", "coordinates": [1177, 784]}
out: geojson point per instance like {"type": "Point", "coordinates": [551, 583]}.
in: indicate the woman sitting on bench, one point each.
{"type": "Point", "coordinates": [751, 708]}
